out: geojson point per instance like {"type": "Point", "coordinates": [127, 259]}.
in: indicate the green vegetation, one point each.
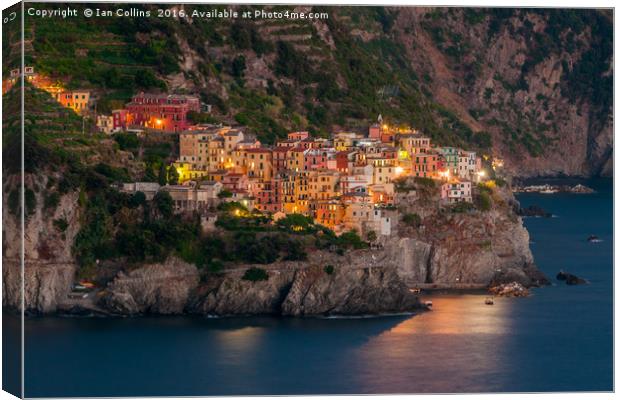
{"type": "Point", "coordinates": [412, 219]}
{"type": "Point", "coordinates": [329, 269]}
{"type": "Point", "coordinates": [483, 201]}
{"type": "Point", "coordinates": [461, 207]}
{"type": "Point", "coordinates": [255, 275]}
{"type": "Point", "coordinates": [61, 224]}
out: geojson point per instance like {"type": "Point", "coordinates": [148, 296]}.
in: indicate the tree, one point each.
{"type": "Point", "coordinates": [238, 67]}
{"type": "Point", "coordinates": [371, 236]}
{"type": "Point", "coordinates": [164, 203]}
{"type": "Point", "coordinates": [295, 222]}
{"type": "Point", "coordinates": [173, 175]}
{"type": "Point", "coordinates": [163, 175]}
{"type": "Point", "coordinates": [146, 79]}
{"type": "Point", "coordinates": [137, 199]}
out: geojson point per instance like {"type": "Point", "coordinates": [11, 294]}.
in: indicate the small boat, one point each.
{"type": "Point", "coordinates": [428, 304]}
{"type": "Point", "coordinates": [548, 191]}
{"type": "Point", "coordinates": [488, 301]}
{"type": "Point", "coordinates": [415, 290]}
{"type": "Point", "coordinates": [594, 239]}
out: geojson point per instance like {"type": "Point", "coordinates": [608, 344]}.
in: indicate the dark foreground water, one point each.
{"type": "Point", "coordinates": [559, 339]}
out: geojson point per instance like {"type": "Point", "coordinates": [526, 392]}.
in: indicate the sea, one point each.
{"type": "Point", "coordinates": [558, 339]}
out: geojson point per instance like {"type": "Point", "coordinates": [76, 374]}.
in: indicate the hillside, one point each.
{"type": "Point", "coordinates": [531, 86]}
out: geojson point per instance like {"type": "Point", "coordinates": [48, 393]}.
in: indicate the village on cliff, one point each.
{"type": "Point", "coordinates": [346, 182]}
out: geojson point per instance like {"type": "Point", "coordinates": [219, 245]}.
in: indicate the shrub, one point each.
{"type": "Point", "coordinates": [295, 251]}
{"type": "Point", "coordinates": [13, 202]}
{"type": "Point", "coordinates": [164, 203]}
{"type": "Point", "coordinates": [371, 236]}
{"type": "Point", "coordinates": [500, 182]}
{"type": "Point", "coordinates": [351, 239]}
{"type": "Point", "coordinates": [137, 199]}
{"type": "Point", "coordinates": [255, 274]}
{"type": "Point", "coordinates": [329, 269]}
{"type": "Point", "coordinates": [224, 194]}
{"type": "Point", "coordinates": [31, 202]}
{"type": "Point", "coordinates": [61, 224]}
{"type": "Point", "coordinates": [462, 207]}
{"type": "Point", "coordinates": [295, 222]}
{"type": "Point", "coordinates": [412, 219]}
{"type": "Point", "coordinates": [483, 201]}
{"type": "Point", "coordinates": [51, 200]}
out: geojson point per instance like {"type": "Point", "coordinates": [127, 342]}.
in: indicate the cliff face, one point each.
{"type": "Point", "coordinates": [156, 288]}
{"type": "Point", "coordinates": [292, 289]}
{"type": "Point", "coordinates": [49, 265]}
{"type": "Point", "coordinates": [527, 77]}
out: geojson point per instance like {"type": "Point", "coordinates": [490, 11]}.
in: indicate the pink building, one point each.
{"type": "Point", "coordinates": [119, 119]}
{"type": "Point", "coordinates": [298, 136]}
{"type": "Point", "coordinates": [315, 159]}
{"type": "Point", "coordinates": [374, 131]}
{"type": "Point", "coordinates": [161, 111]}
{"type": "Point", "coordinates": [235, 181]}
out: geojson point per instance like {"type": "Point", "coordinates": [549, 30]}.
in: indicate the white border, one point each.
{"type": "Point", "coordinates": [481, 3]}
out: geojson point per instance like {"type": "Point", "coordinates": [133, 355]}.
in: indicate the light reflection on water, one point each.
{"type": "Point", "coordinates": [450, 349]}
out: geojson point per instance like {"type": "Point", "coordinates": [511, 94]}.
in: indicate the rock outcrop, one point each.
{"type": "Point", "coordinates": [49, 267]}
{"type": "Point", "coordinates": [303, 289]}
{"type": "Point", "coordinates": [513, 289]}
{"type": "Point", "coordinates": [348, 292]}
{"type": "Point", "coordinates": [466, 250]}
{"type": "Point", "coordinates": [570, 279]}
{"type": "Point", "coordinates": [161, 288]}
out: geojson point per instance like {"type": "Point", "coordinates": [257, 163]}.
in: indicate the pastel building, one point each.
{"type": "Point", "coordinates": [456, 191]}
{"type": "Point", "coordinates": [167, 112]}
{"type": "Point", "coordinates": [468, 165]}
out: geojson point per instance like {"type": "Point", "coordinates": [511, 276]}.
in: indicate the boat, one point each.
{"type": "Point", "coordinates": [415, 290]}
{"type": "Point", "coordinates": [428, 304]}
{"type": "Point", "coordinates": [488, 301]}
{"type": "Point", "coordinates": [594, 239]}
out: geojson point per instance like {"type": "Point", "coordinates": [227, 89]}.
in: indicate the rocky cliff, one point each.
{"type": "Point", "coordinates": [294, 289]}
{"type": "Point", "coordinates": [50, 267]}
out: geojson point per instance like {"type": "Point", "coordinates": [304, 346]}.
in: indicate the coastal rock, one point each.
{"type": "Point", "coordinates": [348, 292]}
{"type": "Point", "coordinates": [513, 289]}
{"type": "Point", "coordinates": [570, 279]}
{"type": "Point", "coordinates": [534, 211]}
{"type": "Point", "coordinates": [230, 295]}
{"type": "Point", "coordinates": [468, 250]}
{"type": "Point", "coordinates": [581, 189]}
{"type": "Point", "coordinates": [306, 290]}
{"type": "Point", "coordinates": [162, 288]}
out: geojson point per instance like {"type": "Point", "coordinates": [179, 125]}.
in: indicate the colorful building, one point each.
{"type": "Point", "coordinates": [167, 112]}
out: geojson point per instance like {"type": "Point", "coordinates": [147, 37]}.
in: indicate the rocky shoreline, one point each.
{"type": "Point", "coordinates": [445, 249]}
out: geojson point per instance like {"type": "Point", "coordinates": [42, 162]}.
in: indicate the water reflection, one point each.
{"type": "Point", "coordinates": [453, 348]}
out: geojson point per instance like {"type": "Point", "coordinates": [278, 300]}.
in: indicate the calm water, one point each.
{"type": "Point", "coordinates": [559, 339]}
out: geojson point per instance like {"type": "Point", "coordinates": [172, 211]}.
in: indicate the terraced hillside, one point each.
{"type": "Point", "coordinates": [532, 86]}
